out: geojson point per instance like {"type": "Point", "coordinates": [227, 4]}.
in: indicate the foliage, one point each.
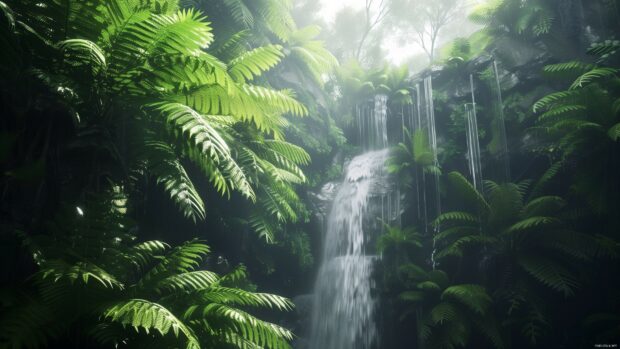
{"type": "Point", "coordinates": [131, 293]}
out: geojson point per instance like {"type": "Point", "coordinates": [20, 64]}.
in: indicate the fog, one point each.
{"type": "Point", "coordinates": [394, 39]}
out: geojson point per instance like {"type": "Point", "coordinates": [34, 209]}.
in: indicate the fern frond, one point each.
{"type": "Point", "coordinates": [182, 259]}
{"type": "Point", "coordinates": [281, 100]}
{"type": "Point", "coordinates": [140, 313]}
{"type": "Point", "coordinates": [455, 216]}
{"type": "Point", "coordinates": [443, 312]}
{"type": "Point", "coordinates": [473, 296]}
{"type": "Point", "coordinates": [464, 189]}
{"type": "Point", "coordinates": [573, 67]}
{"type": "Point", "coordinates": [83, 271]}
{"type": "Point", "coordinates": [608, 47]}
{"type": "Point", "coordinates": [543, 206]}
{"type": "Point", "coordinates": [549, 273]}
{"type": "Point", "coordinates": [260, 332]}
{"type": "Point", "coordinates": [292, 152]}
{"type": "Point", "coordinates": [412, 296]}
{"type": "Point", "coordinates": [614, 132]}
{"type": "Point", "coordinates": [84, 52]}
{"type": "Point", "coordinates": [561, 110]}
{"type": "Point", "coordinates": [240, 12]}
{"type": "Point", "coordinates": [188, 282]}
{"type": "Point", "coordinates": [593, 75]}
{"type": "Point", "coordinates": [253, 63]}
{"type": "Point", "coordinates": [457, 247]}
{"type": "Point", "coordinates": [549, 174]}
{"type": "Point", "coordinates": [532, 222]}
{"type": "Point", "coordinates": [235, 296]}
{"type": "Point", "coordinates": [552, 98]}
{"type": "Point", "coordinates": [164, 165]}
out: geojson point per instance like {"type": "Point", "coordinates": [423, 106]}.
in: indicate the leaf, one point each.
{"type": "Point", "coordinates": [614, 132]}
{"type": "Point", "coordinates": [473, 296]}
{"type": "Point", "coordinates": [253, 63]}
{"type": "Point", "coordinates": [543, 206]}
{"type": "Point", "coordinates": [550, 273]}
{"type": "Point", "coordinates": [443, 312]}
{"type": "Point", "coordinates": [465, 190]}
{"type": "Point", "coordinates": [593, 75]}
{"type": "Point", "coordinates": [532, 222]}
{"type": "Point", "coordinates": [188, 282]}
{"type": "Point", "coordinates": [148, 315]}
{"type": "Point", "coordinates": [167, 168]}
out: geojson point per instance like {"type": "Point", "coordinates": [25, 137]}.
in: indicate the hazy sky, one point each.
{"type": "Point", "coordinates": [397, 52]}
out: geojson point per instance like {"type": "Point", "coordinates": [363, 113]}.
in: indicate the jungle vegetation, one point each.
{"type": "Point", "coordinates": [159, 158]}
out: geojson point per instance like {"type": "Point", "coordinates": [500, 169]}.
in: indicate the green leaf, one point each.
{"type": "Point", "coordinates": [473, 296]}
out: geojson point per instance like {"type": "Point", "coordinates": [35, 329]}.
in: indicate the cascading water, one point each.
{"type": "Point", "coordinates": [501, 125]}
{"type": "Point", "coordinates": [473, 142]}
{"type": "Point", "coordinates": [371, 118]}
{"type": "Point", "coordinates": [344, 307]}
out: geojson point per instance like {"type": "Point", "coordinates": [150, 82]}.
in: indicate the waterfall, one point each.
{"type": "Point", "coordinates": [344, 307]}
{"type": "Point", "coordinates": [372, 123]}
{"type": "Point", "coordinates": [380, 119]}
{"type": "Point", "coordinates": [432, 138]}
{"type": "Point", "coordinates": [473, 142]}
{"type": "Point", "coordinates": [505, 156]}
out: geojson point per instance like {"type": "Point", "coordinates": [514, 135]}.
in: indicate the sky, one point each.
{"type": "Point", "coordinates": [397, 52]}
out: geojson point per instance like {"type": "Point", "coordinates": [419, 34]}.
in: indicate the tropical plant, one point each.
{"type": "Point", "coordinates": [150, 76]}
{"type": "Point", "coordinates": [416, 153]}
{"type": "Point", "coordinates": [95, 279]}
{"type": "Point", "coordinates": [446, 314]}
{"type": "Point", "coordinates": [582, 124]}
{"type": "Point", "coordinates": [523, 240]}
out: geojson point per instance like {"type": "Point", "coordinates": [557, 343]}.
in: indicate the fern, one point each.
{"type": "Point", "coordinates": [84, 52]}
{"type": "Point", "coordinates": [550, 273]}
{"type": "Point", "coordinates": [169, 172]}
{"type": "Point", "coordinates": [593, 75]}
{"type": "Point", "coordinates": [553, 98]}
{"type": "Point", "coordinates": [608, 47]}
{"type": "Point", "coordinates": [466, 191]}
{"type": "Point", "coordinates": [473, 296]}
{"type": "Point", "coordinates": [188, 282]}
{"type": "Point", "coordinates": [82, 271]}
{"type": "Point", "coordinates": [253, 63]}
{"type": "Point", "coordinates": [532, 222]}
{"type": "Point", "coordinates": [573, 67]}
{"type": "Point", "coordinates": [140, 313]}
{"type": "Point", "coordinates": [614, 132]}
{"type": "Point", "coordinates": [561, 110]}
{"type": "Point", "coordinates": [545, 205]}
{"type": "Point", "coordinates": [455, 216]}
{"type": "Point", "coordinates": [443, 312]}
